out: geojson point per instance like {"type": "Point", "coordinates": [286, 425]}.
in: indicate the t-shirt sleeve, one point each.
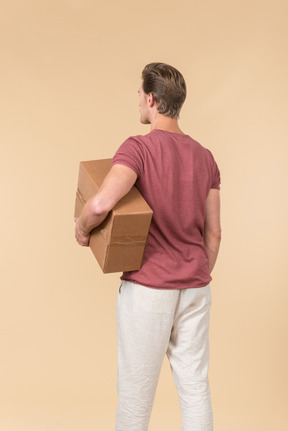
{"type": "Point", "coordinates": [216, 179]}
{"type": "Point", "coordinates": [130, 154]}
{"type": "Point", "coordinates": [215, 173]}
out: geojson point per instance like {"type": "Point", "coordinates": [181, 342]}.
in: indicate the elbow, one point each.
{"type": "Point", "coordinates": [217, 235]}
{"type": "Point", "coordinates": [100, 207]}
{"type": "Point", "coordinates": [213, 235]}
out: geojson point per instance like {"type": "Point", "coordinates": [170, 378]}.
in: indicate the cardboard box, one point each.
{"type": "Point", "coordinates": [119, 242]}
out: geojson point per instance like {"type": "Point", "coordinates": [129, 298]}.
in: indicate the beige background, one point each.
{"type": "Point", "coordinates": [70, 71]}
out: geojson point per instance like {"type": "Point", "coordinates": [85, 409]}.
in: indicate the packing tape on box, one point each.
{"type": "Point", "coordinates": [139, 240]}
{"type": "Point", "coordinates": [81, 197]}
{"type": "Point", "coordinates": [126, 240]}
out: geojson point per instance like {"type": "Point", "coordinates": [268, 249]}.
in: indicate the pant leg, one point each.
{"type": "Point", "coordinates": [144, 322]}
{"type": "Point", "coordinates": [188, 353]}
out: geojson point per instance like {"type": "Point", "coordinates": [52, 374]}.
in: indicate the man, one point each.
{"type": "Point", "coordinates": [164, 307]}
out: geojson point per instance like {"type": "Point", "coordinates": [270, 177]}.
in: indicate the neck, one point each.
{"type": "Point", "coordinates": [165, 123]}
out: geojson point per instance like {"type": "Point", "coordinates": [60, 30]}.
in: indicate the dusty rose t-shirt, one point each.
{"type": "Point", "coordinates": [174, 175]}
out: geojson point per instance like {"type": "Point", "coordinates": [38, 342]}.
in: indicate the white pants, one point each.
{"type": "Point", "coordinates": [150, 324]}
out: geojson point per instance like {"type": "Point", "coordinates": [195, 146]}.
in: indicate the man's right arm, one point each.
{"type": "Point", "coordinates": [212, 227]}
{"type": "Point", "coordinates": [117, 184]}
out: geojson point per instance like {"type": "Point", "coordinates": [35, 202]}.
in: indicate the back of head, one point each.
{"type": "Point", "coordinates": [167, 86]}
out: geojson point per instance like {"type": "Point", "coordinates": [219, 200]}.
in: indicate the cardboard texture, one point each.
{"type": "Point", "coordinates": [119, 242]}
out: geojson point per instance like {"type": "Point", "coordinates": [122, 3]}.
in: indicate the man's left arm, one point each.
{"type": "Point", "coordinates": [117, 184]}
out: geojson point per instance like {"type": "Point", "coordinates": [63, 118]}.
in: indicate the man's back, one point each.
{"type": "Point", "coordinates": [174, 175]}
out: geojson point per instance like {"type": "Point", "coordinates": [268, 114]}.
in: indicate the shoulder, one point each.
{"type": "Point", "coordinates": [140, 139]}
{"type": "Point", "coordinates": [202, 152]}
{"type": "Point", "coordinates": [211, 158]}
{"type": "Point", "coordinates": [132, 153]}
{"type": "Point", "coordinates": [205, 152]}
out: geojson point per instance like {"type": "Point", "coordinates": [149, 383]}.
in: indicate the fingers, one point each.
{"type": "Point", "coordinates": [82, 240]}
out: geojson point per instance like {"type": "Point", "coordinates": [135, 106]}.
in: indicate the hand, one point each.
{"type": "Point", "coordinates": [82, 237]}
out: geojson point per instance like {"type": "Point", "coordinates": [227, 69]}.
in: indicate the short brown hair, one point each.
{"type": "Point", "coordinates": [167, 86]}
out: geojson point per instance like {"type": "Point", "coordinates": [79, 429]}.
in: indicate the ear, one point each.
{"type": "Point", "coordinates": [151, 101]}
